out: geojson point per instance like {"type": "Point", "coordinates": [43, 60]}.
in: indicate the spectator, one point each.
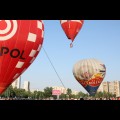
{"type": "Point", "coordinates": [81, 98]}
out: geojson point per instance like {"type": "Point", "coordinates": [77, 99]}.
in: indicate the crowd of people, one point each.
{"type": "Point", "coordinates": [81, 98]}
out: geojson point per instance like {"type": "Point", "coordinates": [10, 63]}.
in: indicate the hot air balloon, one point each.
{"type": "Point", "coordinates": [89, 73]}
{"type": "Point", "coordinates": [71, 28]}
{"type": "Point", "coordinates": [20, 43]}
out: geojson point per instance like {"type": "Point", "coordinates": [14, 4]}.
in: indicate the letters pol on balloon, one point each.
{"type": "Point", "coordinates": [5, 50]}
{"type": "Point", "coordinates": [20, 43]}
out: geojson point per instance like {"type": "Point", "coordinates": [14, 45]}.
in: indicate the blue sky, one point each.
{"type": "Point", "coordinates": [98, 39]}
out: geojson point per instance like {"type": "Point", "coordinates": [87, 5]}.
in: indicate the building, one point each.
{"type": "Point", "coordinates": [111, 87]}
{"type": "Point", "coordinates": [62, 89]}
{"type": "Point", "coordinates": [26, 85]}
{"type": "Point", "coordinates": [32, 90]}
{"type": "Point", "coordinates": [100, 89]}
{"type": "Point", "coordinates": [17, 83]}
{"type": "Point", "coordinates": [114, 88]}
{"type": "Point", "coordinates": [105, 86]}
{"type": "Point", "coordinates": [74, 92]}
{"type": "Point", "coordinates": [117, 88]}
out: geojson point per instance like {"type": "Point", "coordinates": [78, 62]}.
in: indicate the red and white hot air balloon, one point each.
{"type": "Point", "coordinates": [71, 28]}
{"type": "Point", "coordinates": [20, 43]}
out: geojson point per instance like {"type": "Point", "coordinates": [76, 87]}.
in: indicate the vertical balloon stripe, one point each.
{"type": "Point", "coordinates": [91, 68]}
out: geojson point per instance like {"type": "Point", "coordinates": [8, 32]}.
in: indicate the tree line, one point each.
{"type": "Point", "coordinates": [47, 94]}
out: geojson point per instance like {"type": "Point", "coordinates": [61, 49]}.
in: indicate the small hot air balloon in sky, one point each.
{"type": "Point", "coordinates": [20, 43]}
{"type": "Point", "coordinates": [71, 28]}
{"type": "Point", "coordinates": [89, 73]}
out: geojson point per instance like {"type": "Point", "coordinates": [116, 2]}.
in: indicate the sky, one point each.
{"type": "Point", "coordinates": [99, 39]}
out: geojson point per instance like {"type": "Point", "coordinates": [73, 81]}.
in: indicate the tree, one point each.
{"type": "Point", "coordinates": [48, 92]}
{"type": "Point", "coordinates": [99, 94]}
{"type": "Point", "coordinates": [63, 96]}
{"type": "Point", "coordinates": [40, 95]}
{"type": "Point", "coordinates": [35, 94]}
{"type": "Point", "coordinates": [81, 94]}
{"type": "Point", "coordinates": [8, 92]}
{"type": "Point", "coordinates": [69, 92]}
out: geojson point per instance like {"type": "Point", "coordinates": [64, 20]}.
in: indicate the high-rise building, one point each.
{"type": "Point", "coordinates": [100, 89]}
{"type": "Point", "coordinates": [118, 89]}
{"type": "Point", "coordinates": [26, 85]}
{"type": "Point", "coordinates": [17, 83]}
{"type": "Point", "coordinates": [111, 87]}
{"type": "Point", "coordinates": [114, 88]}
{"type": "Point", "coordinates": [105, 86]}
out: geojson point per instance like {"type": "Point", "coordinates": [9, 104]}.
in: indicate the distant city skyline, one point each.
{"type": "Point", "coordinates": [107, 86]}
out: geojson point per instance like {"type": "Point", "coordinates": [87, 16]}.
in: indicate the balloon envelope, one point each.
{"type": "Point", "coordinates": [89, 73]}
{"type": "Point", "coordinates": [71, 27]}
{"type": "Point", "coordinates": [20, 43]}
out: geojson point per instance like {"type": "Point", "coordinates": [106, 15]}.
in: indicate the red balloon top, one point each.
{"type": "Point", "coordinates": [71, 27]}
